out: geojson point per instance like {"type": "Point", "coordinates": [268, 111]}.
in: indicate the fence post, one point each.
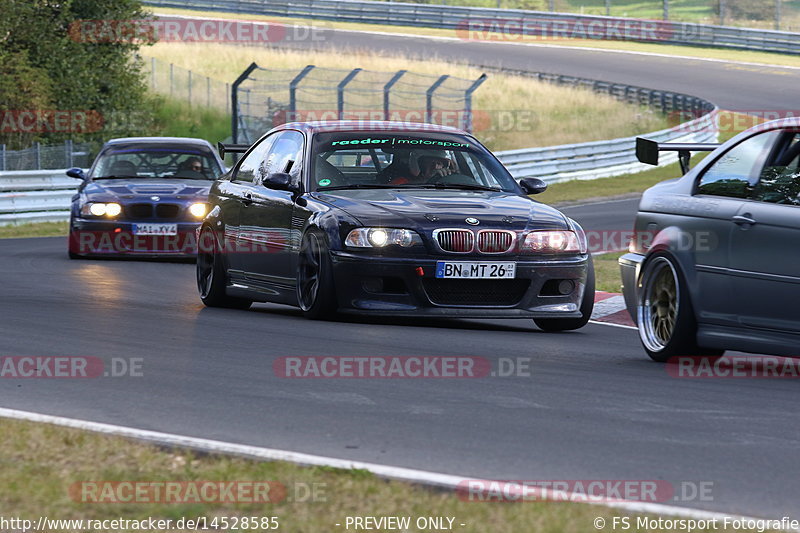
{"type": "Point", "coordinates": [666, 9]}
{"type": "Point", "coordinates": [387, 88]}
{"type": "Point", "coordinates": [778, 14]}
{"type": "Point", "coordinates": [340, 92]}
{"type": "Point", "coordinates": [37, 152]}
{"type": "Point", "coordinates": [293, 92]}
{"type": "Point", "coordinates": [429, 97]}
{"type": "Point", "coordinates": [235, 101]}
{"type": "Point", "coordinates": [68, 152]}
{"type": "Point", "coordinates": [467, 126]}
{"type": "Point", "coordinates": [2, 156]}
{"type": "Point", "coordinates": [608, 8]}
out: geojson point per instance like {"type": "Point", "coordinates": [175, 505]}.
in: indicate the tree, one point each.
{"type": "Point", "coordinates": [45, 47]}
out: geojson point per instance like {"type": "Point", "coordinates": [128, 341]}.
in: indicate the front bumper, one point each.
{"type": "Point", "coordinates": [110, 237]}
{"type": "Point", "coordinates": [395, 286]}
{"type": "Point", "coordinates": [630, 265]}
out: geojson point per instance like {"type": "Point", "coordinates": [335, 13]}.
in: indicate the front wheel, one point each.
{"type": "Point", "coordinates": [211, 275]}
{"type": "Point", "coordinates": [587, 305]}
{"type": "Point", "coordinates": [666, 321]}
{"type": "Point", "coordinates": [315, 291]}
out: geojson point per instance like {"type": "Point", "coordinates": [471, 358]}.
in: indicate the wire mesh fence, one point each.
{"type": "Point", "coordinates": [177, 83]}
{"type": "Point", "coordinates": [265, 98]}
{"type": "Point", "coordinates": [40, 157]}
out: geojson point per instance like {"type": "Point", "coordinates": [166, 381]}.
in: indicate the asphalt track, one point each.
{"type": "Point", "coordinates": [593, 407]}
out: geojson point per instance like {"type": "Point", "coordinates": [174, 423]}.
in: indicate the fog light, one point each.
{"type": "Point", "coordinates": [566, 286]}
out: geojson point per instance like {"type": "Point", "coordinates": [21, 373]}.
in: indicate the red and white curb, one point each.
{"type": "Point", "coordinates": [609, 308]}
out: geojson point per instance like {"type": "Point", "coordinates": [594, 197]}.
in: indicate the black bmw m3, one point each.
{"type": "Point", "coordinates": [394, 219]}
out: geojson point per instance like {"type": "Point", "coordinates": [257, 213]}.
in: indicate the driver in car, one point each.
{"type": "Point", "coordinates": [425, 165]}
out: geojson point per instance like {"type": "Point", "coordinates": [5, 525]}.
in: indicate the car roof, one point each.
{"type": "Point", "coordinates": [368, 126]}
{"type": "Point", "coordinates": [159, 140]}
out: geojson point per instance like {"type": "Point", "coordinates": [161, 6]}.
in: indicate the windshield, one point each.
{"type": "Point", "coordinates": [156, 161]}
{"type": "Point", "coordinates": [347, 160]}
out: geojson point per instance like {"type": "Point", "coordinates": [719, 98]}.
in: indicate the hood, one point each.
{"type": "Point", "coordinates": [145, 188]}
{"type": "Point", "coordinates": [417, 209]}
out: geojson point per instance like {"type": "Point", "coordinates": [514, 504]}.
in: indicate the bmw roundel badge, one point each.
{"type": "Point", "coordinates": [472, 221]}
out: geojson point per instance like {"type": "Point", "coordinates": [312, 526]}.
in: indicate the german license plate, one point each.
{"type": "Point", "coordinates": [155, 229]}
{"type": "Point", "coordinates": [475, 270]}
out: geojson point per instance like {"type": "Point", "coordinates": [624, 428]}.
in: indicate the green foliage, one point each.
{"type": "Point", "coordinates": [50, 61]}
{"type": "Point", "coordinates": [176, 119]}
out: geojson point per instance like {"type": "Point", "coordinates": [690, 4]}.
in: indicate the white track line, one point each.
{"type": "Point", "coordinates": [535, 45]}
{"type": "Point", "coordinates": [268, 454]}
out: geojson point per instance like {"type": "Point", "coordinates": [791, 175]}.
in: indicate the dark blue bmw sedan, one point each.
{"type": "Point", "coordinates": [143, 196]}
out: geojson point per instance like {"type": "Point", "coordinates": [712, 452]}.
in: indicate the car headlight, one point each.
{"type": "Point", "coordinates": [558, 241]}
{"type": "Point", "coordinates": [198, 210]}
{"type": "Point", "coordinates": [100, 209]}
{"type": "Point", "coordinates": [380, 237]}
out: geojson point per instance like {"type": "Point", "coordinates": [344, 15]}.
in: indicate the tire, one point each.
{"type": "Point", "coordinates": [316, 294]}
{"type": "Point", "coordinates": [666, 322]}
{"type": "Point", "coordinates": [587, 305]}
{"type": "Point", "coordinates": [212, 276]}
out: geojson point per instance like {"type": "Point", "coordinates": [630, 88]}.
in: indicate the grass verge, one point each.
{"type": "Point", "coordinates": [606, 272]}
{"type": "Point", "coordinates": [653, 48]}
{"type": "Point", "coordinates": [36, 229]}
{"type": "Point", "coordinates": [46, 471]}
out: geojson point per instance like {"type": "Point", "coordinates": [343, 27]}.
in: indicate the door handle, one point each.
{"type": "Point", "coordinates": [247, 199]}
{"type": "Point", "coordinates": [743, 220]}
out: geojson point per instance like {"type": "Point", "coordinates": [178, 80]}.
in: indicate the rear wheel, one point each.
{"type": "Point", "coordinates": [666, 321]}
{"type": "Point", "coordinates": [587, 305]}
{"type": "Point", "coordinates": [315, 291]}
{"type": "Point", "coordinates": [211, 275]}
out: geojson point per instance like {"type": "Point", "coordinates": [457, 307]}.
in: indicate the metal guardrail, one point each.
{"type": "Point", "coordinates": [530, 23]}
{"type": "Point", "coordinates": [601, 159]}
{"type": "Point", "coordinates": [35, 196]}
{"type": "Point", "coordinates": [40, 196]}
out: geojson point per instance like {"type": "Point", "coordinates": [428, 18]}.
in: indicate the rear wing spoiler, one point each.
{"type": "Point", "coordinates": [647, 151]}
{"type": "Point", "coordinates": [231, 149]}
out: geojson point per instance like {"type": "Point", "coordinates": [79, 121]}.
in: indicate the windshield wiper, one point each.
{"type": "Point", "coordinates": [462, 186]}
{"type": "Point", "coordinates": [358, 186]}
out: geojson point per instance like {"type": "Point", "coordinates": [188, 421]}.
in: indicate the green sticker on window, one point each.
{"type": "Point", "coordinates": [325, 182]}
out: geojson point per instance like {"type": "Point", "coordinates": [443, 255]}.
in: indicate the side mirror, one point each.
{"type": "Point", "coordinates": [76, 173]}
{"type": "Point", "coordinates": [532, 185]}
{"type": "Point", "coordinates": [279, 180]}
